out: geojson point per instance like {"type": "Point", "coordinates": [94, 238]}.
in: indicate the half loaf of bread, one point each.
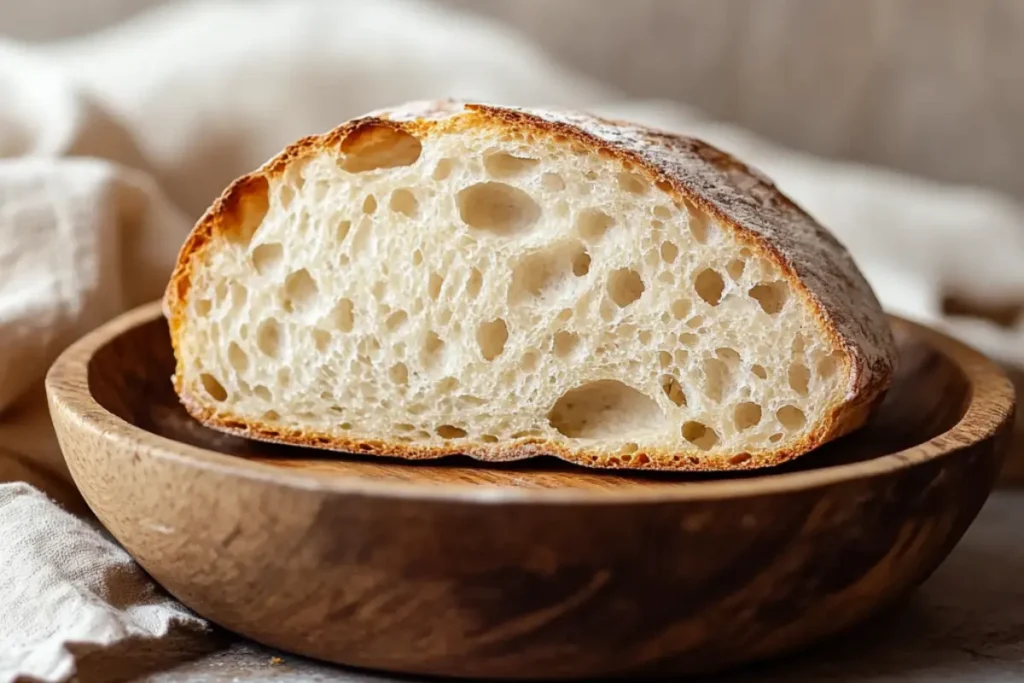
{"type": "Point", "coordinates": [450, 278]}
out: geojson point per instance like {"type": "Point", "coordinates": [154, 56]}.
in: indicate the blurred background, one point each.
{"type": "Point", "coordinates": [932, 87]}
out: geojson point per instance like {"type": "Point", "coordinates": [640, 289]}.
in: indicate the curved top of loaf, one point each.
{"type": "Point", "coordinates": [741, 199]}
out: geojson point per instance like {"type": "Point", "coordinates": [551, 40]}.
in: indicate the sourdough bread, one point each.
{"type": "Point", "coordinates": [450, 278]}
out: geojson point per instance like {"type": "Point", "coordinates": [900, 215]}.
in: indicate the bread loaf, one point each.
{"type": "Point", "coordinates": [450, 278]}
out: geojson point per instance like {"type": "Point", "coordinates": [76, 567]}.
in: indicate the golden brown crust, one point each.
{"type": "Point", "coordinates": [814, 263]}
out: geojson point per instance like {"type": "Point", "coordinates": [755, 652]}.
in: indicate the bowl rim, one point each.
{"type": "Point", "coordinates": [990, 408]}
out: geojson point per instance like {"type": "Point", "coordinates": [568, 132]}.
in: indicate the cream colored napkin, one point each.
{"type": "Point", "coordinates": [111, 145]}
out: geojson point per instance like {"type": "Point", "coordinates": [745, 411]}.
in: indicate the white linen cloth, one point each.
{"type": "Point", "coordinates": [111, 145]}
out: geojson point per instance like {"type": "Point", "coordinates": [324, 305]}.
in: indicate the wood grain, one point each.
{"type": "Point", "coordinates": [536, 570]}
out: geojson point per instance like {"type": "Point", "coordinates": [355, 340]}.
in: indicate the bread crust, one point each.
{"type": "Point", "coordinates": [817, 267]}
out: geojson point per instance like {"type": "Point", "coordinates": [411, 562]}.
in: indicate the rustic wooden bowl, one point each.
{"type": "Point", "coordinates": [536, 569]}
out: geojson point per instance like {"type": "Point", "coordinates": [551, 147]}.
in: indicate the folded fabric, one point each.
{"type": "Point", "coordinates": [66, 589]}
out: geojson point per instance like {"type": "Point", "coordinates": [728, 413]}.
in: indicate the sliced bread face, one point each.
{"type": "Point", "coordinates": [454, 278]}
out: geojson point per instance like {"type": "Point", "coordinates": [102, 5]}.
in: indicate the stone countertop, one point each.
{"type": "Point", "coordinates": [965, 624]}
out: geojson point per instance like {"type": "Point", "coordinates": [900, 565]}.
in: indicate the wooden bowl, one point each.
{"type": "Point", "coordinates": [532, 570]}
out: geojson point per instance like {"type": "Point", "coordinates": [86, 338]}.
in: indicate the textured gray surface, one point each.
{"type": "Point", "coordinates": [966, 624]}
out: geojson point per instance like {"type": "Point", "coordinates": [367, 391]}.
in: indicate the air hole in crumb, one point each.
{"type": "Point", "coordinates": [320, 188]}
{"type": "Point", "coordinates": [489, 438]}
{"type": "Point", "coordinates": [529, 360]}
{"type": "Point", "coordinates": [629, 448]}
{"type": "Point", "coordinates": [759, 371]}
{"type": "Point", "coordinates": [688, 338]}
{"type": "Point", "coordinates": [700, 435]}
{"type": "Point", "coordinates": [666, 277]}
{"type": "Point", "coordinates": [268, 338]}
{"type": "Point", "coordinates": [746, 415]}
{"type": "Point", "coordinates": [709, 286]}
{"type": "Point", "coordinates": [680, 356]}
{"type": "Point", "coordinates": [399, 373]}
{"type": "Point", "coordinates": [433, 344]}
{"type": "Point", "coordinates": [450, 432]}
{"type": "Point", "coordinates": [525, 434]}
{"type": "Point", "coordinates": [565, 315]}
{"type": "Point", "coordinates": [505, 165]}
{"type": "Point", "coordinates": [695, 322]}
{"type": "Point", "coordinates": [262, 393]}
{"type": "Point", "coordinates": [735, 269]}
{"type": "Point", "coordinates": [552, 182]}
{"type": "Point", "coordinates": [716, 378]}
{"type": "Point", "coordinates": [775, 438]}
{"type": "Point", "coordinates": [405, 427]}
{"type": "Point", "coordinates": [770, 295]}
{"type": "Point", "coordinates": [604, 409]}
{"type": "Point", "coordinates": [791, 417]}
{"type": "Point", "coordinates": [625, 286]}
{"type": "Point", "coordinates": [491, 337]}
{"type": "Point", "coordinates": [669, 251]}
{"type": "Point", "coordinates": [404, 202]}
{"type": "Point", "coordinates": [592, 224]}
{"type": "Point", "coordinates": [474, 283]}
{"type": "Point", "coordinates": [286, 194]}
{"type": "Point", "coordinates": [343, 315]}
{"type": "Point", "coordinates": [267, 257]}
{"type": "Point", "coordinates": [680, 308]}
{"type": "Point", "coordinates": [644, 336]}
{"type": "Point", "coordinates": [607, 311]}
{"type": "Point", "coordinates": [239, 295]}
{"type": "Point", "coordinates": [238, 358]}
{"type": "Point", "coordinates": [497, 208]}
{"type": "Point", "coordinates": [581, 263]}
{"type": "Point", "coordinates": [728, 355]}
{"type": "Point", "coordinates": [249, 210]}
{"type": "Point", "coordinates": [300, 290]}
{"type": "Point", "coordinates": [284, 377]}
{"type": "Point", "coordinates": [341, 231]}
{"type": "Point", "coordinates": [565, 343]}
{"type": "Point", "coordinates": [396, 320]}
{"type": "Point", "coordinates": [632, 183]}
{"type": "Point", "coordinates": [214, 388]}
{"type": "Point", "coordinates": [664, 358]}
{"type": "Point", "coordinates": [545, 271]}
{"type": "Point", "coordinates": [799, 343]}
{"type": "Point", "coordinates": [204, 306]}
{"type": "Point", "coordinates": [699, 224]}
{"type": "Point", "coordinates": [662, 212]}
{"type": "Point", "coordinates": [739, 458]}
{"type": "Point", "coordinates": [827, 366]}
{"type": "Point", "coordinates": [375, 146]}
{"type": "Point", "coordinates": [417, 257]}
{"type": "Point", "coordinates": [799, 378]}
{"type": "Point", "coordinates": [443, 169]}
{"type": "Point", "coordinates": [434, 285]}
{"type": "Point", "coordinates": [670, 385]}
